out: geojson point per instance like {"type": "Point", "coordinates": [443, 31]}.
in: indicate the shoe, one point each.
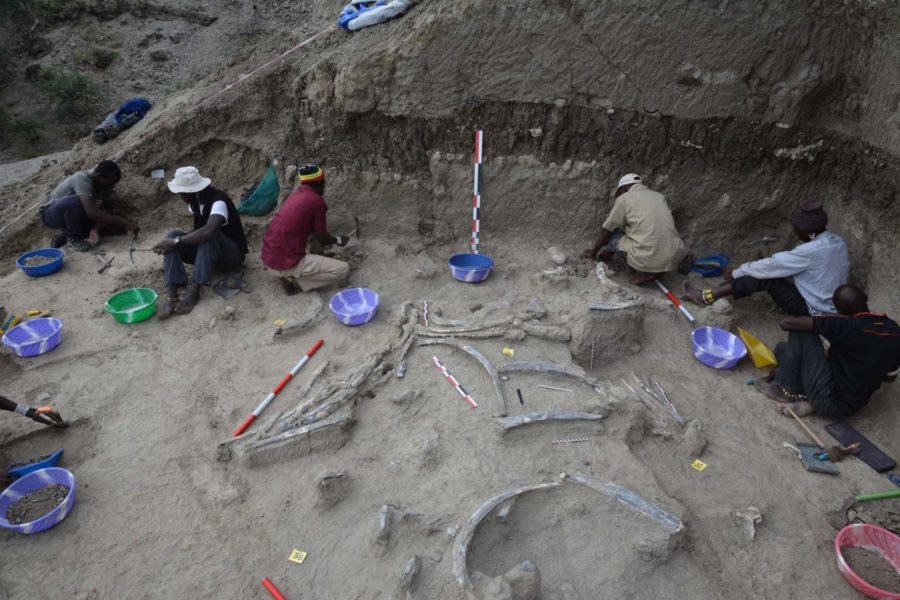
{"type": "Point", "coordinates": [58, 241]}
{"type": "Point", "coordinates": [79, 245]}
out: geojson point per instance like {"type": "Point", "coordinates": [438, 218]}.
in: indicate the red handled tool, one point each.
{"type": "Point", "coordinates": [262, 405]}
{"type": "Point", "coordinates": [268, 584]}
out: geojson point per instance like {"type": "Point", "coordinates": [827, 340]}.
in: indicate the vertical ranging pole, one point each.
{"type": "Point", "coordinates": [476, 192]}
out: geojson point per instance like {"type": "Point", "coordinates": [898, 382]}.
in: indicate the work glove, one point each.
{"type": "Point", "coordinates": [45, 416]}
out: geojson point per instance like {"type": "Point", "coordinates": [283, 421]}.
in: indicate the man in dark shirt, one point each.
{"type": "Point", "coordinates": [217, 241]}
{"type": "Point", "coordinates": [865, 350]}
{"type": "Point", "coordinates": [284, 243]}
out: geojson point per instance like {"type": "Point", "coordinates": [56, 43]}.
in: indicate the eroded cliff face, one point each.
{"type": "Point", "coordinates": [736, 111]}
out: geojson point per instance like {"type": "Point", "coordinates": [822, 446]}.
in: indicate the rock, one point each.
{"type": "Point", "coordinates": [721, 306]}
{"type": "Point", "coordinates": [160, 55]}
{"type": "Point", "coordinates": [536, 308]}
{"type": "Point", "coordinates": [524, 581]}
{"type": "Point", "coordinates": [429, 453]}
{"type": "Point", "coordinates": [694, 441]}
{"type": "Point", "coordinates": [32, 72]}
{"type": "Point", "coordinates": [103, 57]}
{"type": "Point", "coordinates": [332, 487]}
{"type": "Point", "coordinates": [36, 46]}
{"type": "Point", "coordinates": [519, 583]}
{"type": "Point", "coordinates": [406, 397]}
{"type": "Point", "coordinates": [514, 335]}
{"type": "Point", "coordinates": [556, 255]}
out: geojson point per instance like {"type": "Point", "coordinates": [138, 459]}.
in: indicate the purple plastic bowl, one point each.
{"type": "Point", "coordinates": [34, 337]}
{"type": "Point", "coordinates": [717, 348]}
{"type": "Point", "coordinates": [471, 268]}
{"type": "Point", "coordinates": [354, 306]}
{"type": "Point", "coordinates": [31, 483]}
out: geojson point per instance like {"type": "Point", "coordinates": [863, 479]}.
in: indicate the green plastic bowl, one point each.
{"type": "Point", "coordinates": [132, 306]}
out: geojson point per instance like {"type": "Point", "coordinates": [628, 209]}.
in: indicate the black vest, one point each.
{"type": "Point", "coordinates": [234, 230]}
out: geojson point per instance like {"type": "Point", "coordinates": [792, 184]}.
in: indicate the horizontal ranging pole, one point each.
{"type": "Point", "coordinates": [456, 385]}
{"type": "Point", "coordinates": [262, 405]}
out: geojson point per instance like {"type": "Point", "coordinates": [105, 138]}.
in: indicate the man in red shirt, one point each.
{"type": "Point", "coordinates": [284, 243]}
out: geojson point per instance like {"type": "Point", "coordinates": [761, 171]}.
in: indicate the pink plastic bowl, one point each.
{"type": "Point", "coordinates": [874, 539]}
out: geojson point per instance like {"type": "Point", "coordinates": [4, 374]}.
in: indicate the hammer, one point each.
{"type": "Point", "coordinates": [764, 242]}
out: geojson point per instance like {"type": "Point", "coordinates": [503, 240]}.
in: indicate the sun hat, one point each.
{"type": "Point", "coordinates": [188, 180]}
{"type": "Point", "coordinates": [629, 179]}
{"type": "Point", "coordinates": [311, 174]}
{"type": "Point", "coordinates": [809, 216]}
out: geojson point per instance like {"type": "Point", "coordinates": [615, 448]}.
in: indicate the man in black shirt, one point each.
{"type": "Point", "coordinates": [217, 241]}
{"type": "Point", "coordinates": [865, 350]}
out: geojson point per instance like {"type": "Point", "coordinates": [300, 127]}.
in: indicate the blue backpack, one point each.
{"type": "Point", "coordinates": [131, 111]}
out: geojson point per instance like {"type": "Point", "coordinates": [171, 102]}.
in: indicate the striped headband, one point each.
{"type": "Point", "coordinates": [312, 174]}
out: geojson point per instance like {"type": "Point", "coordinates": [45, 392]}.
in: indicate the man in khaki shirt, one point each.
{"type": "Point", "coordinates": [640, 226]}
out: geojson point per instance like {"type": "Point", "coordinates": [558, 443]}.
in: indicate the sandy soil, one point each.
{"type": "Point", "coordinates": [163, 512]}
{"type": "Point", "coordinates": [149, 403]}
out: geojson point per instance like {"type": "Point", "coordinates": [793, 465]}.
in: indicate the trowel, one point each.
{"type": "Point", "coordinates": [809, 456]}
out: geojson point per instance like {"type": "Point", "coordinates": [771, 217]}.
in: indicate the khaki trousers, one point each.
{"type": "Point", "coordinates": [313, 271]}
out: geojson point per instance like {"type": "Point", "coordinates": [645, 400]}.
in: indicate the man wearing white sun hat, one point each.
{"type": "Point", "coordinates": [639, 226]}
{"type": "Point", "coordinates": [217, 242]}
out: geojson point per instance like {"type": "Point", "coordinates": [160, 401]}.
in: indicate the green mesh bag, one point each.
{"type": "Point", "coordinates": [264, 198]}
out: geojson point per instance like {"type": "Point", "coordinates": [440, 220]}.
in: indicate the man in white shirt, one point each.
{"type": "Point", "coordinates": [800, 281]}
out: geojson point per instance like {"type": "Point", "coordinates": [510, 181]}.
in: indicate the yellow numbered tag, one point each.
{"type": "Point", "coordinates": [297, 556]}
{"type": "Point", "coordinates": [280, 322]}
{"type": "Point", "coordinates": [508, 352]}
{"type": "Point", "coordinates": [699, 465]}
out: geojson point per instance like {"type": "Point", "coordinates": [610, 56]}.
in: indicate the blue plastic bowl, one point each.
{"type": "Point", "coordinates": [717, 348]}
{"type": "Point", "coordinates": [34, 337]}
{"type": "Point", "coordinates": [31, 483]}
{"type": "Point", "coordinates": [470, 268]}
{"type": "Point", "coordinates": [711, 266]}
{"type": "Point", "coordinates": [354, 306]}
{"type": "Point", "coordinates": [45, 269]}
{"type": "Point", "coordinates": [50, 461]}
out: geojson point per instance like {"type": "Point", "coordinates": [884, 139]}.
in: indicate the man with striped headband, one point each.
{"type": "Point", "coordinates": [284, 250]}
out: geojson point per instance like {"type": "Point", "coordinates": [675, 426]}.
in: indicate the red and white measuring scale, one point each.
{"type": "Point", "coordinates": [262, 406]}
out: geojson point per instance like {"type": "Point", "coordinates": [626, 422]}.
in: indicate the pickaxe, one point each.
{"type": "Point", "coordinates": [355, 230]}
{"type": "Point", "coordinates": [132, 250]}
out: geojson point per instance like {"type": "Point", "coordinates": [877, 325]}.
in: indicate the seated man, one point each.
{"type": "Point", "coordinates": [284, 243]}
{"type": "Point", "coordinates": [865, 350]}
{"type": "Point", "coordinates": [640, 226]}
{"type": "Point", "coordinates": [73, 208]}
{"type": "Point", "coordinates": [815, 268]}
{"type": "Point", "coordinates": [217, 241]}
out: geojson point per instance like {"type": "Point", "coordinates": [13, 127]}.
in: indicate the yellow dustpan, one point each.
{"type": "Point", "coordinates": [762, 356]}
